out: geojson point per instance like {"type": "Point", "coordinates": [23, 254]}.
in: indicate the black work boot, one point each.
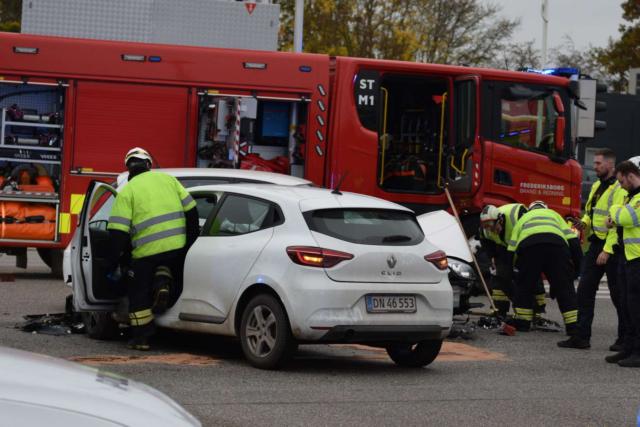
{"type": "Point", "coordinates": [615, 358]}
{"type": "Point", "coordinates": [617, 346]}
{"type": "Point", "coordinates": [633, 361]}
{"type": "Point", "coordinates": [160, 299]}
{"type": "Point", "coordinates": [575, 342]}
{"type": "Point", "coordinates": [141, 344]}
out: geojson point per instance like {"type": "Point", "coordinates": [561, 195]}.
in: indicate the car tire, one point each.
{"type": "Point", "coordinates": [100, 326]}
{"type": "Point", "coordinates": [265, 333]}
{"type": "Point", "coordinates": [422, 354]}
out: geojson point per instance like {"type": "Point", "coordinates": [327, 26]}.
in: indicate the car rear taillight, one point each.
{"type": "Point", "coordinates": [316, 257]}
{"type": "Point", "coordinates": [439, 259]}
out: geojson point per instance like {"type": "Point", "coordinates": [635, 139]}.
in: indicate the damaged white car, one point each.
{"type": "Point", "coordinates": [280, 266]}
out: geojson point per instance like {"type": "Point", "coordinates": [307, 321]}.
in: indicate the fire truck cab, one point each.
{"type": "Point", "coordinates": [494, 137]}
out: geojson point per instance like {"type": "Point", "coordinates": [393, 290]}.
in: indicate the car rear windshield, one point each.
{"type": "Point", "coordinates": [367, 226]}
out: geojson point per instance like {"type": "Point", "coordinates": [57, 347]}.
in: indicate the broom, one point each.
{"type": "Point", "coordinates": [509, 330]}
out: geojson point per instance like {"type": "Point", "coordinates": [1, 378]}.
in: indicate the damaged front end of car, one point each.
{"type": "Point", "coordinates": [465, 283]}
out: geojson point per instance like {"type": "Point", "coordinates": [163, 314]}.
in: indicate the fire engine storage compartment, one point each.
{"type": "Point", "coordinates": [31, 146]}
{"type": "Point", "coordinates": [263, 130]}
{"type": "Point", "coordinates": [414, 136]}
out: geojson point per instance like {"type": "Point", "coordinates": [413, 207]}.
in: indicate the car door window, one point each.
{"type": "Point", "coordinates": [100, 208]}
{"type": "Point", "coordinates": [241, 215]}
{"type": "Point", "coordinates": [205, 204]}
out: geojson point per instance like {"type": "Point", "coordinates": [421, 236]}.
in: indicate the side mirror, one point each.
{"type": "Point", "coordinates": [574, 89]}
{"type": "Point", "coordinates": [559, 134]}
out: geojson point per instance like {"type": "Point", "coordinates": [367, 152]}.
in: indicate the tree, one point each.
{"type": "Point", "coordinates": [516, 56]}
{"type": "Point", "coordinates": [10, 15]}
{"type": "Point", "coordinates": [437, 31]}
{"type": "Point", "coordinates": [460, 31]}
{"type": "Point", "coordinates": [620, 55]}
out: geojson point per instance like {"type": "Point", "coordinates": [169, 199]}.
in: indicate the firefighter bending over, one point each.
{"type": "Point", "coordinates": [496, 226]}
{"type": "Point", "coordinates": [542, 242]}
{"type": "Point", "coordinates": [157, 217]}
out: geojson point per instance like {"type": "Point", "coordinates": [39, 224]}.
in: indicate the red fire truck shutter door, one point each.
{"type": "Point", "coordinates": [112, 118]}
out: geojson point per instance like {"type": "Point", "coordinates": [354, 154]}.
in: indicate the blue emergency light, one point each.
{"type": "Point", "coordinates": [561, 71]}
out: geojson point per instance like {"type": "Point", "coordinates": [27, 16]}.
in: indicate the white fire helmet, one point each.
{"type": "Point", "coordinates": [137, 153]}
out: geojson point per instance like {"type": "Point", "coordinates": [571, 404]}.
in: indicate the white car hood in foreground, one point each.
{"type": "Point", "coordinates": [443, 231]}
{"type": "Point", "coordinates": [30, 380]}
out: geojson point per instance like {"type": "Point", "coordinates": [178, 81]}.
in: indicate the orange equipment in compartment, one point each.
{"type": "Point", "coordinates": [21, 220]}
{"type": "Point", "coordinates": [43, 185]}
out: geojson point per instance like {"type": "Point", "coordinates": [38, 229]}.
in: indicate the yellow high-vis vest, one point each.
{"type": "Point", "coordinates": [540, 221]}
{"type": "Point", "coordinates": [626, 216]}
{"type": "Point", "coordinates": [614, 195]}
{"type": "Point", "coordinates": [151, 209]}
{"type": "Point", "coordinates": [510, 212]}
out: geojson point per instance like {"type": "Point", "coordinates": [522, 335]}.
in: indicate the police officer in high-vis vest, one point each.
{"type": "Point", "coordinates": [156, 218]}
{"type": "Point", "coordinates": [626, 217]}
{"type": "Point", "coordinates": [496, 226]}
{"type": "Point", "coordinates": [542, 242]}
{"type": "Point", "coordinates": [603, 254]}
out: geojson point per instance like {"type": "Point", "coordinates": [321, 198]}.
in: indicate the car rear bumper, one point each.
{"type": "Point", "coordinates": [383, 333]}
{"type": "Point", "coordinates": [316, 305]}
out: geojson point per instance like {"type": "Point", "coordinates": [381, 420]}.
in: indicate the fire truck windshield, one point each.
{"type": "Point", "coordinates": [529, 123]}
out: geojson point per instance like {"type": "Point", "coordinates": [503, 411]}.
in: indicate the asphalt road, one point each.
{"type": "Point", "coordinates": [491, 380]}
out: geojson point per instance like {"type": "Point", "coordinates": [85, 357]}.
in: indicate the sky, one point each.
{"type": "Point", "coordinates": [587, 21]}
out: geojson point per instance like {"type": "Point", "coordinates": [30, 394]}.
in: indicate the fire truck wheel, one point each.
{"type": "Point", "coordinates": [100, 326]}
{"type": "Point", "coordinates": [45, 256]}
{"type": "Point", "coordinates": [53, 259]}
{"type": "Point", "coordinates": [416, 356]}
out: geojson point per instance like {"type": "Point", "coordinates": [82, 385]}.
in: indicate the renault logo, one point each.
{"type": "Point", "coordinates": [391, 261]}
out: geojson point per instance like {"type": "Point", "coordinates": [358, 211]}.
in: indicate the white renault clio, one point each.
{"type": "Point", "coordinates": [280, 266]}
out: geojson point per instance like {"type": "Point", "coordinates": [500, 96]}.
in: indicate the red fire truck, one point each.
{"type": "Point", "coordinates": [72, 108]}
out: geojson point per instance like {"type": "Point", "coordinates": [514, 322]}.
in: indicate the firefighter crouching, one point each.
{"type": "Point", "coordinates": [157, 218]}
{"type": "Point", "coordinates": [496, 227]}
{"type": "Point", "coordinates": [626, 216]}
{"type": "Point", "coordinates": [542, 242]}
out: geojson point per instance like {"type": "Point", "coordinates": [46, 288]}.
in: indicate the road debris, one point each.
{"type": "Point", "coordinates": [52, 324]}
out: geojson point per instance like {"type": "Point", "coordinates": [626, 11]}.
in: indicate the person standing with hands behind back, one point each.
{"type": "Point", "coordinates": [603, 254]}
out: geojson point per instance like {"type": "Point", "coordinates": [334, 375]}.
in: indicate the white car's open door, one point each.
{"type": "Point", "coordinates": [92, 290]}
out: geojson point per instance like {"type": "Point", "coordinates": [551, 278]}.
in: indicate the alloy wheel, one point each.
{"type": "Point", "coordinates": [261, 332]}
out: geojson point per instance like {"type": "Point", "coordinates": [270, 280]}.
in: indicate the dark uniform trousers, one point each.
{"type": "Point", "coordinates": [588, 287]}
{"type": "Point", "coordinates": [140, 288]}
{"type": "Point", "coordinates": [503, 281]}
{"type": "Point", "coordinates": [630, 304]}
{"type": "Point", "coordinates": [555, 262]}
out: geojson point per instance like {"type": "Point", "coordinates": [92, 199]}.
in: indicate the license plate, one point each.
{"type": "Point", "coordinates": [391, 304]}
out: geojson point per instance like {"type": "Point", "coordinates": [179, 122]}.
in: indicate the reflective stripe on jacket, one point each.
{"type": "Point", "coordinates": [540, 221]}
{"type": "Point", "coordinates": [627, 216]}
{"type": "Point", "coordinates": [510, 212]}
{"type": "Point", "coordinates": [151, 209]}
{"type": "Point", "coordinates": [614, 195]}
